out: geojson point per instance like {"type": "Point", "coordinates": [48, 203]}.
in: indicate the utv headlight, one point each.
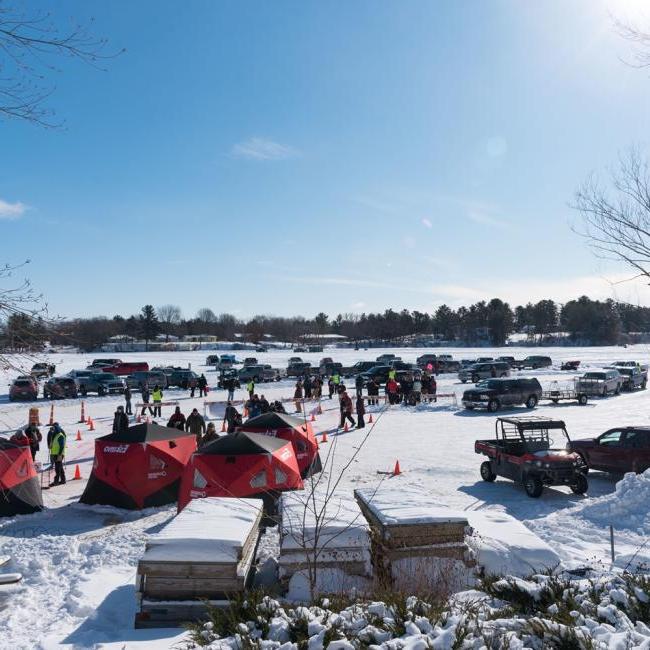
{"type": "Point", "coordinates": [538, 463]}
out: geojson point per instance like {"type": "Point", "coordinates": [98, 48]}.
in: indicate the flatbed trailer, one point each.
{"type": "Point", "coordinates": [556, 395]}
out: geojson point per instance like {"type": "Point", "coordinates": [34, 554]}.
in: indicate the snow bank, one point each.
{"type": "Point", "coordinates": [627, 507]}
{"type": "Point", "coordinates": [207, 530]}
{"type": "Point", "coordinates": [503, 545]}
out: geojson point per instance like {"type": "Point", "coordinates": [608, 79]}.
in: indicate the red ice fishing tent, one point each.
{"type": "Point", "coordinates": [140, 467]}
{"type": "Point", "coordinates": [20, 491]}
{"type": "Point", "coordinates": [240, 465]}
{"type": "Point", "coordinates": [298, 432]}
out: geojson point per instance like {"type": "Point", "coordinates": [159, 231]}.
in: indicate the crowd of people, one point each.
{"type": "Point", "coordinates": [56, 444]}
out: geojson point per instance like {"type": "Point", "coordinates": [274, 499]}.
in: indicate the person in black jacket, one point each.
{"type": "Point", "coordinates": [35, 437]}
{"type": "Point", "coordinates": [127, 399]}
{"type": "Point", "coordinates": [373, 392]}
{"type": "Point", "coordinates": [265, 407]}
{"type": "Point", "coordinates": [203, 384]}
{"type": "Point", "coordinates": [232, 417]}
{"type": "Point", "coordinates": [358, 384]}
{"type": "Point", "coordinates": [120, 421]}
{"type": "Point", "coordinates": [361, 411]}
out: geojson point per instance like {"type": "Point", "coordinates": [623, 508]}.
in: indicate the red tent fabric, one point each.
{"type": "Point", "coordinates": [240, 465]}
{"type": "Point", "coordinates": [298, 432]}
{"type": "Point", "coordinates": [20, 492]}
{"type": "Point", "coordinates": [139, 468]}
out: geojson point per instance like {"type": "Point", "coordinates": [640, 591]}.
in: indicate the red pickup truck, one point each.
{"type": "Point", "coordinates": [625, 449]}
{"type": "Point", "coordinates": [126, 367]}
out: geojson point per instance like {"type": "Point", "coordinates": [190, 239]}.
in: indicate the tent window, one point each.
{"type": "Point", "coordinates": [231, 459]}
{"type": "Point", "coordinates": [280, 476]}
{"type": "Point", "coordinates": [259, 480]}
{"type": "Point", "coordinates": [199, 480]}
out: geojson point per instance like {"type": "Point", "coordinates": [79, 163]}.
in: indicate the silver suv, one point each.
{"type": "Point", "coordinates": [479, 371]}
{"type": "Point", "coordinates": [600, 382]}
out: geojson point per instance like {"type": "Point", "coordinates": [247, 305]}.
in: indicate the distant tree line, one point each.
{"type": "Point", "coordinates": [584, 320]}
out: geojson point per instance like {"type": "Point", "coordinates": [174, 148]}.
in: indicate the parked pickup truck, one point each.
{"type": "Point", "coordinates": [358, 368]}
{"type": "Point", "coordinates": [126, 367]}
{"type": "Point", "coordinates": [484, 371]}
{"type": "Point", "coordinates": [624, 449]}
{"type": "Point", "coordinates": [493, 394]}
{"type": "Point", "coordinates": [327, 369]}
{"type": "Point", "coordinates": [600, 382]}
{"type": "Point", "coordinates": [633, 377]}
{"type": "Point", "coordinates": [534, 362]}
{"type": "Point", "coordinates": [101, 383]}
{"type": "Point", "coordinates": [524, 451]}
{"type": "Point", "coordinates": [298, 369]}
{"type": "Point", "coordinates": [42, 370]}
{"type": "Point", "coordinates": [258, 373]}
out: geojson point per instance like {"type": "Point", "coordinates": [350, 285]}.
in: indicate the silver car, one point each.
{"type": "Point", "coordinates": [479, 371]}
{"type": "Point", "coordinates": [600, 382]}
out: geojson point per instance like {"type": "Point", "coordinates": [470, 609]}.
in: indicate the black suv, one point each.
{"type": "Point", "coordinates": [492, 394]}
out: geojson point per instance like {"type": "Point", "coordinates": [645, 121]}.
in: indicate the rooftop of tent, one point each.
{"type": "Point", "coordinates": [145, 432]}
{"type": "Point", "coordinates": [243, 443]}
{"type": "Point", "coordinates": [272, 421]}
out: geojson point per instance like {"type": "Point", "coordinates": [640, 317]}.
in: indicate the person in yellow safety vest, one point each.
{"type": "Point", "coordinates": [250, 387]}
{"type": "Point", "coordinates": [157, 397]}
{"type": "Point", "coordinates": [57, 454]}
{"type": "Point", "coordinates": [392, 373]}
{"type": "Point", "coordinates": [336, 379]}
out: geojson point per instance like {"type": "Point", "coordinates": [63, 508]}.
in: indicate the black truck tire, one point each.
{"type": "Point", "coordinates": [493, 405]}
{"type": "Point", "coordinates": [531, 402]}
{"type": "Point", "coordinates": [486, 472]}
{"type": "Point", "coordinates": [533, 486]}
{"type": "Point", "coordinates": [475, 379]}
{"type": "Point", "coordinates": [582, 399]}
{"type": "Point", "coordinates": [581, 484]}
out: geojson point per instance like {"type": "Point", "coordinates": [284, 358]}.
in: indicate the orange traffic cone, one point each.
{"type": "Point", "coordinates": [91, 424]}
{"type": "Point", "coordinates": [345, 428]}
{"type": "Point", "coordinates": [370, 419]}
{"type": "Point", "coordinates": [223, 426]}
{"type": "Point", "coordinates": [397, 471]}
{"type": "Point", "coordinates": [83, 413]}
{"type": "Point", "coordinates": [78, 435]}
{"type": "Point", "coordinates": [313, 418]}
{"type": "Point", "coordinates": [51, 415]}
{"type": "Point", "coordinates": [77, 473]}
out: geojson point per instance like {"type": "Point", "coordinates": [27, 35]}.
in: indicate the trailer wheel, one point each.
{"type": "Point", "coordinates": [582, 400]}
{"type": "Point", "coordinates": [486, 472]}
{"type": "Point", "coordinates": [533, 486]}
{"type": "Point", "coordinates": [531, 402]}
{"type": "Point", "coordinates": [493, 405]}
{"type": "Point", "coordinates": [581, 484]}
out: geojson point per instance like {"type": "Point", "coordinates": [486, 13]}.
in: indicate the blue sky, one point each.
{"type": "Point", "coordinates": [293, 157]}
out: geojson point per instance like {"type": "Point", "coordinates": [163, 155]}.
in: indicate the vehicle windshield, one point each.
{"type": "Point", "coordinates": [22, 382]}
{"type": "Point", "coordinates": [594, 375]}
{"type": "Point", "coordinates": [104, 376]}
{"type": "Point", "coordinates": [488, 383]}
{"type": "Point", "coordinates": [625, 371]}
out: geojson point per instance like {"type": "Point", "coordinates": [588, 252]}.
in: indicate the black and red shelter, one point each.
{"type": "Point", "coordinates": [20, 491]}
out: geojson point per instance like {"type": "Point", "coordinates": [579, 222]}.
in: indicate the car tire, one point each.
{"type": "Point", "coordinates": [469, 408]}
{"type": "Point", "coordinates": [604, 392]}
{"type": "Point", "coordinates": [531, 402]}
{"type": "Point", "coordinates": [582, 400]}
{"type": "Point", "coordinates": [581, 485]}
{"type": "Point", "coordinates": [486, 472]}
{"type": "Point", "coordinates": [644, 385]}
{"type": "Point", "coordinates": [475, 379]}
{"type": "Point", "coordinates": [533, 486]}
{"type": "Point", "coordinates": [84, 392]}
{"type": "Point", "coordinates": [617, 390]}
{"type": "Point", "coordinates": [493, 405]}
{"type": "Point", "coordinates": [101, 392]}
{"type": "Point", "coordinates": [464, 381]}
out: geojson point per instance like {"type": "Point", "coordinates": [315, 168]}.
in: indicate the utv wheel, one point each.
{"type": "Point", "coordinates": [582, 400]}
{"type": "Point", "coordinates": [486, 472]}
{"type": "Point", "coordinates": [493, 405]}
{"type": "Point", "coordinates": [533, 486]}
{"type": "Point", "coordinates": [581, 485]}
{"type": "Point", "coordinates": [531, 402]}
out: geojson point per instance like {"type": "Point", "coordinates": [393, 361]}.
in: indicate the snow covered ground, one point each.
{"type": "Point", "coordinates": [79, 562]}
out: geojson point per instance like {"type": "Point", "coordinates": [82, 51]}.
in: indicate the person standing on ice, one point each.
{"type": "Point", "coordinates": [120, 421]}
{"type": "Point", "coordinates": [127, 399]}
{"type": "Point", "coordinates": [361, 411]}
{"type": "Point", "coordinates": [297, 396]}
{"type": "Point", "coordinates": [210, 435]}
{"type": "Point", "coordinates": [232, 417]}
{"type": "Point", "coordinates": [177, 420]}
{"type": "Point", "coordinates": [346, 409]}
{"type": "Point", "coordinates": [35, 437]}
{"type": "Point", "coordinates": [307, 385]}
{"type": "Point", "coordinates": [195, 424]}
{"type": "Point", "coordinates": [250, 387]}
{"type": "Point", "coordinates": [336, 380]}
{"type": "Point", "coordinates": [433, 387]}
{"type": "Point", "coordinates": [330, 387]}
{"type": "Point", "coordinates": [358, 384]}
{"type": "Point", "coordinates": [392, 389]}
{"type": "Point", "coordinates": [145, 399]}
{"type": "Point", "coordinates": [57, 446]}
{"type": "Point", "coordinates": [203, 386]}
{"type": "Point", "coordinates": [373, 392]}
{"type": "Point", "coordinates": [157, 397]}
{"type": "Point", "coordinates": [265, 407]}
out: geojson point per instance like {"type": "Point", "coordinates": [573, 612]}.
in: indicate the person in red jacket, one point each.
{"type": "Point", "coordinates": [177, 420]}
{"type": "Point", "coordinates": [20, 438]}
{"type": "Point", "coordinates": [346, 409]}
{"type": "Point", "coordinates": [393, 391]}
